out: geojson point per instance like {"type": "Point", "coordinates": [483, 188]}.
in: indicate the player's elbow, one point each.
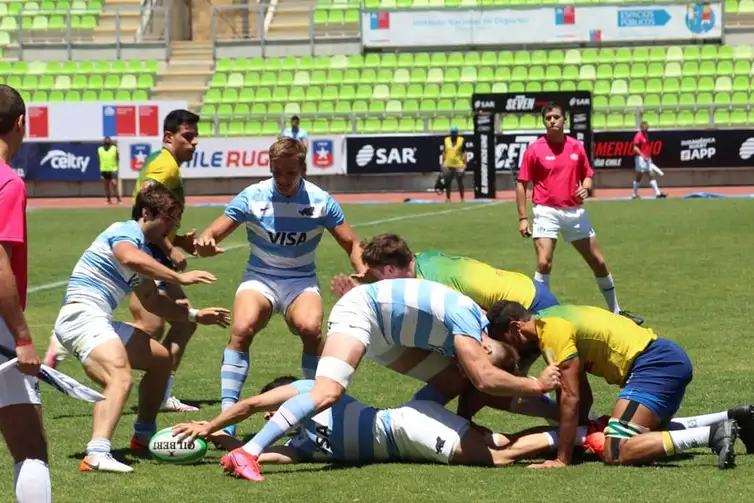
{"type": "Point", "coordinates": [484, 380]}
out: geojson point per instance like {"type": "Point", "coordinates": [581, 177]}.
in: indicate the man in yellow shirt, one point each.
{"type": "Point", "coordinates": [653, 374]}
{"type": "Point", "coordinates": [453, 162]}
{"type": "Point", "coordinates": [108, 168]}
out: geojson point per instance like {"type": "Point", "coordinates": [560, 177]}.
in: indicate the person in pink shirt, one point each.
{"type": "Point", "coordinates": [20, 405]}
{"type": "Point", "coordinates": [558, 168]}
{"type": "Point", "coordinates": [643, 161]}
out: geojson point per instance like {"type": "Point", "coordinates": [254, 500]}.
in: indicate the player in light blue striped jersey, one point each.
{"type": "Point", "coordinates": [285, 217]}
{"type": "Point", "coordinates": [371, 321]}
{"type": "Point", "coordinates": [114, 265]}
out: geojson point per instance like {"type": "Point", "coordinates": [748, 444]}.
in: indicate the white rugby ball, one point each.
{"type": "Point", "coordinates": [165, 448]}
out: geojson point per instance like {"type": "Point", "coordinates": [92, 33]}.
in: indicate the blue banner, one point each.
{"type": "Point", "coordinates": [58, 162]}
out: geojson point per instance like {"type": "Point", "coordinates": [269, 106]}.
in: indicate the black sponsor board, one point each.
{"type": "Point", "coordinates": [720, 148]}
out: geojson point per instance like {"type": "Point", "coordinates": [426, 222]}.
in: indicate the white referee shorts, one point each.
{"type": "Point", "coordinates": [645, 166]}
{"type": "Point", "coordinates": [426, 431]}
{"type": "Point", "coordinates": [81, 327]}
{"type": "Point", "coordinates": [281, 292]}
{"type": "Point", "coordinates": [15, 388]}
{"type": "Point", "coordinates": [572, 224]}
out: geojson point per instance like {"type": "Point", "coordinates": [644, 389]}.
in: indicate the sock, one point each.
{"type": "Point", "coordinates": [309, 365]}
{"type": "Point", "coordinates": [535, 406]}
{"type": "Point", "coordinates": [144, 431]}
{"type": "Point", "coordinates": [233, 375]}
{"type": "Point", "coordinates": [288, 416]}
{"type": "Point", "coordinates": [686, 423]}
{"type": "Point", "coordinates": [169, 389]}
{"type": "Point", "coordinates": [607, 287]}
{"type": "Point", "coordinates": [542, 278]}
{"type": "Point", "coordinates": [100, 445]}
{"type": "Point", "coordinates": [681, 440]}
{"type": "Point", "coordinates": [636, 188]}
{"type": "Point", "coordinates": [32, 481]}
{"type": "Point", "coordinates": [554, 435]}
{"type": "Point", "coordinates": [653, 183]}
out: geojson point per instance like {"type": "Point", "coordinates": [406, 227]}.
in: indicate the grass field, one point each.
{"type": "Point", "coordinates": [684, 265]}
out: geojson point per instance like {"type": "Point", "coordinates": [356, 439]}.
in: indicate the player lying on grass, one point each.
{"type": "Point", "coordinates": [652, 372]}
{"type": "Point", "coordinates": [370, 321]}
{"type": "Point", "coordinates": [351, 432]}
{"type": "Point", "coordinates": [285, 217]}
{"type": "Point", "coordinates": [111, 268]}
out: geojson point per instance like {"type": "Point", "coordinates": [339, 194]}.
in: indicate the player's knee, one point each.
{"type": "Point", "coordinates": [161, 360]}
{"type": "Point", "coordinates": [309, 331]}
{"type": "Point", "coordinates": [241, 335]}
{"type": "Point", "coordinates": [121, 380]}
{"type": "Point", "coordinates": [544, 264]}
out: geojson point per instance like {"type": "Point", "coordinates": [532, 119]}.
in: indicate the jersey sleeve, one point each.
{"type": "Point", "coordinates": [585, 166]}
{"type": "Point", "coordinates": [128, 233]}
{"type": "Point", "coordinates": [466, 318]}
{"type": "Point", "coordinates": [527, 165]}
{"type": "Point", "coordinates": [238, 209]}
{"type": "Point", "coordinates": [638, 140]}
{"type": "Point", "coordinates": [333, 213]}
{"type": "Point", "coordinates": [12, 209]}
{"type": "Point", "coordinates": [557, 337]}
{"type": "Point", "coordinates": [303, 135]}
{"type": "Point", "coordinates": [303, 385]}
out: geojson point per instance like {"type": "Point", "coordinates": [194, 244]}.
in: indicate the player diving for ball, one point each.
{"type": "Point", "coordinates": [111, 268]}
{"type": "Point", "coordinates": [652, 372]}
{"type": "Point", "coordinates": [285, 217]}
{"type": "Point", "coordinates": [352, 432]}
{"type": "Point", "coordinates": [370, 322]}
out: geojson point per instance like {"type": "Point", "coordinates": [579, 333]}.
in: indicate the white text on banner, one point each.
{"type": "Point", "coordinates": [235, 157]}
{"type": "Point", "coordinates": [583, 23]}
{"type": "Point", "coordinates": [61, 122]}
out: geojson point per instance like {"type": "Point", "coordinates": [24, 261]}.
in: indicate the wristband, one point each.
{"type": "Point", "coordinates": [541, 387]}
{"type": "Point", "coordinates": [192, 314]}
{"type": "Point", "coordinates": [23, 342]}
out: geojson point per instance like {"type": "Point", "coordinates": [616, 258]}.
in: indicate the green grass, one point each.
{"type": "Point", "coordinates": [683, 265]}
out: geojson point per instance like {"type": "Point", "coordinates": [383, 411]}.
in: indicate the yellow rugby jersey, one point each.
{"type": "Point", "coordinates": [161, 167]}
{"type": "Point", "coordinates": [484, 284]}
{"type": "Point", "coordinates": [606, 343]}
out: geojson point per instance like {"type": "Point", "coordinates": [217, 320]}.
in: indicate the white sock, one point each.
{"type": "Point", "coordinates": [169, 389]}
{"type": "Point", "coordinates": [32, 480]}
{"type": "Point", "coordinates": [688, 439]}
{"type": "Point", "coordinates": [636, 188]}
{"type": "Point", "coordinates": [654, 185]}
{"type": "Point", "coordinates": [554, 435]}
{"type": "Point", "coordinates": [697, 421]}
{"type": "Point", "coordinates": [607, 287]}
{"type": "Point", "coordinates": [98, 446]}
{"type": "Point", "coordinates": [542, 278]}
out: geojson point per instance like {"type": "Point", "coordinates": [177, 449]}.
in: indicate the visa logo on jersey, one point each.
{"type": "Point", "coordinates": [565, 15]}
{"type": "Point", "coordinates": [379, 20]}
{"type": "Point", "coordinates": [287, 238]}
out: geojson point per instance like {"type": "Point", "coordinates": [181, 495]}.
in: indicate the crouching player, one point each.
{"type": "Point", "coordinates": [352, 432]}
{"type": "Point", "coordinates": [370, 321]}
{"type": "Point", "coordinates": [652, 372]}
{"type": "Point", "coordinates": [106, 273]}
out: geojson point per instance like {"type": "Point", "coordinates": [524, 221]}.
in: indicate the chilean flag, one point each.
{"type": "Point", "coordinates": [118, 120]}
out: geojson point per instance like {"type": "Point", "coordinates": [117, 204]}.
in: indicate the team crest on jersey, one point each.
{"type": "Point", "coordinates": [139, 153]}
{"type": "Point", "coordinates": [322, 153]}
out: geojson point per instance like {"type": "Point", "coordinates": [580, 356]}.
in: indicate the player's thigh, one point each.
{"type": "Point", "coordinates": [589, 250]}
{"type": "Point", "coordinates": [81, 329]}
{"type": "Point", "coordinates": [427, 431]}
{"type": "Point", "coordinates": [144, 353]}
{"type": "Point", "coordinates": [305, 312]}
{"type": "Point", "coordinates": [473, 449]}
{"type": "Point", "coordinates": [545, 249]}
{"type": "Point", "coordinates": [107, 362]}
{"type": "Point", "coordinates": [145, 320]}
{"type": "Point", "coordinates": [252, 309]}
{"type": "Point", "coordinates": [22, 429]}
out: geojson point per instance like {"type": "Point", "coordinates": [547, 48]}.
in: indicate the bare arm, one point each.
{"type": "Point", "coordinates": [221, 228]}
{"type": "Point", "coordinates": [160, 305]}
{"type": "Point", "coordinates": [10, 304]}
{"type": "Point", "coordinates": [278, 455]}
{"type": "Point", "coordinates": [521, 199]}
{"type": "Point", "coordinates": [569, 408]}
{"type": "Point", "coordinates": [637, 151]}
{"type": "Point", "coordinates": [347, 239]}
{"type": "Point", "coordinates": [142, 264]}
{"type": "Point", "coordinates": [489, 379]}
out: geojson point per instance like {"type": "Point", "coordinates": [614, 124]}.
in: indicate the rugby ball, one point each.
{"type": "Point", "coordinates": [165, 448]}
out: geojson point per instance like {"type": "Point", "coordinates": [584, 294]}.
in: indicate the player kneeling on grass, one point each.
{"type": "Point", "coordinates": [421, 430]}
{"type": "Point", "coordinates": [370, 321]}
{"type": "Point", "coordinates": [652, 372]}
{"type": "Point", "coordinates": [106, 273]}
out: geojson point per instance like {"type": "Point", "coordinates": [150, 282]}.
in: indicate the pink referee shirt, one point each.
{"type": "Point", "coordinates": [555, 170]}
{"type": "Point", "coordinates": [13, 225]}
{"type": "Point", "coordinates": [641, 140]}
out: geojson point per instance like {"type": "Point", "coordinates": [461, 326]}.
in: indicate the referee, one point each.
{"type": "Point", "coordinates": [453, 162]}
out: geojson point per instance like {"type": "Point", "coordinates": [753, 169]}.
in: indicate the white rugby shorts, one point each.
{"type": "Point", "coordinates": [15, 388]}
{"type": "Point", "coordinates": [645, 166]}
{"type": "Point", "coordinates": [281, 292]}
{"type": "Point", "coordinates": [426, 431]}
{"type": "Point", "coordinates": [81, 327]}
{"type": "Point", "coordinates": [572, 224]}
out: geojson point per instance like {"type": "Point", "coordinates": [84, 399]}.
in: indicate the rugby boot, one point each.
{"type": "Point", "coordinates": [722, 441]}
{"type": "Point", "coordinates": [744, 416]}
{"type": "Point", "coordinates": [103, 462]}
{"type": "Point", "coordinates": [172, 404]}
{"type": "Point", "coordinates": [636, 319]}
{"type": "Point", "coordinates": [240, 463]}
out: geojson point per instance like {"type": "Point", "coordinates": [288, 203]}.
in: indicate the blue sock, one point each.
{"type": "Point", "coordinates": [144, 431]}
{"type": "Point", "coordinates": [289, 415]}
{"type": "Point", "coordinates": [233, 375]}
{"type": "Point", "coordinates": [309, 365]}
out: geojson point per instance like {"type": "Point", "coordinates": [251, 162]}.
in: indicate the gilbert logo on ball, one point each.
{"type": "Point", "coordinates": [165, 448]}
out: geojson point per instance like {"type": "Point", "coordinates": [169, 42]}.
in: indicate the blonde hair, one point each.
{"type": "Point", "coordinates": [288, 147]}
